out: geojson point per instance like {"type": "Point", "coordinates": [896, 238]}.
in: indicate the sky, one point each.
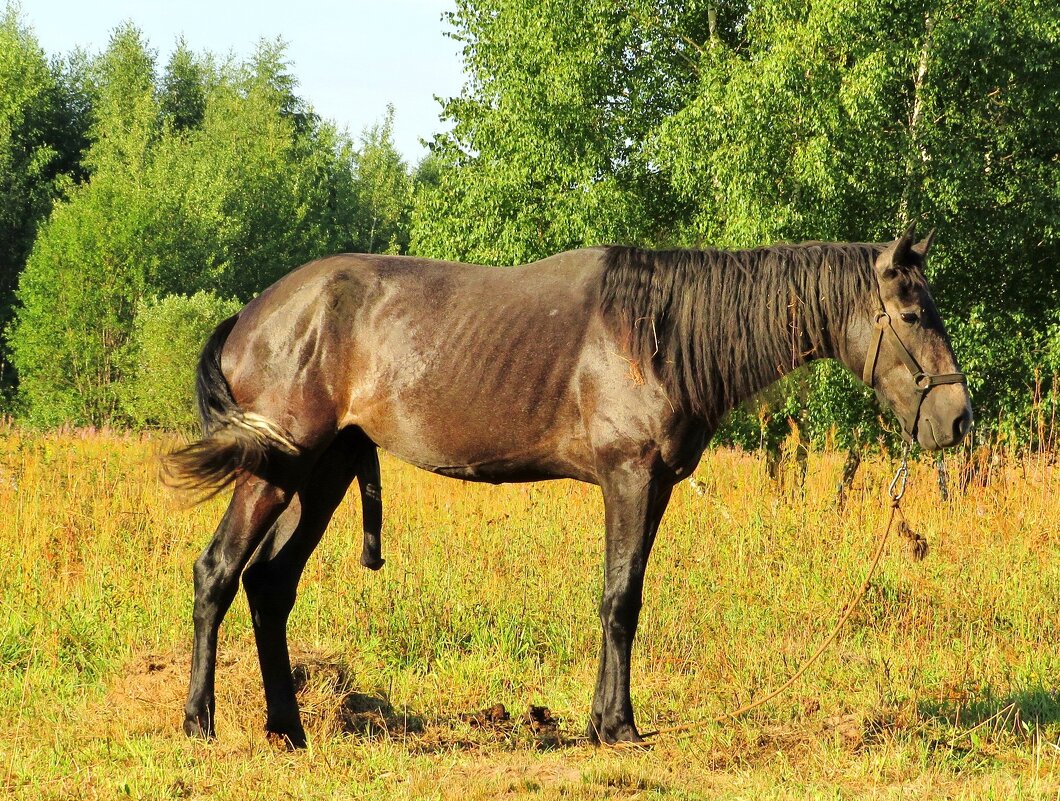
{"type": "Point", "coordinates": [350, 58]}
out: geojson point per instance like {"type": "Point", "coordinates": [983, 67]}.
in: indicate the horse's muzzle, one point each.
{"type": "Point", "coordinates": [937, 430]}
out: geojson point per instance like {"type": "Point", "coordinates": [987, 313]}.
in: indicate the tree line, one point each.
{"type": "Point", "coordinates": [143, 203]}
{"type": "Point", "coordinates": [140, 204]}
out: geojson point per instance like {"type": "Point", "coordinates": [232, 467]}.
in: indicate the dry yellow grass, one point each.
{"type": "Point", "coordinates": [943, 685]}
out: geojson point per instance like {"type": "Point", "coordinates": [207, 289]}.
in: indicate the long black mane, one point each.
{"type": "Point", "coordinates": [718, 326]}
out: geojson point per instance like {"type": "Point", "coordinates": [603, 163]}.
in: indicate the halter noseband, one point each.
{"type": "Point", "coordinates": [924, 381]}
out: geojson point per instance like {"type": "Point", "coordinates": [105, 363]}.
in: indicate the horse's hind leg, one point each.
{"type": "Point", "coordinates": [256, 504]}
{"type": "Point", "coordinates": [271, 581]}
{"type": "Point", "coordinates": [371, 507]}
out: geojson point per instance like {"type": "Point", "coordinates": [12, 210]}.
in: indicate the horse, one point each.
{"type": "Point", "coordinates": [611, 365]}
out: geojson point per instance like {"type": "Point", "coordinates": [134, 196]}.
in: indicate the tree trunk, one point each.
{"type": "Point", "coordinates": [917, 152]}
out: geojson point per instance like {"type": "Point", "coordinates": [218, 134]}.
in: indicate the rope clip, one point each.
{"type": "Point", "coordinates": [898, 483]}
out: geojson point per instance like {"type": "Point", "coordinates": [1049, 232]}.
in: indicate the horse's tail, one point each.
{"type": "Point", "coordinates": [233, 441]}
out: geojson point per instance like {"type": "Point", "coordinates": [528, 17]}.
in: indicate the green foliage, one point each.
{"type": "Point", "coordinates": [706, 123]}
{"type": "Point", "coordinates": [242, 198]}
{"type": "Point", "coordinates": [383, 190]}
{"type": "Point", "coordinates": [991, 177]}
{"type": "Point", "coordinates": [215, 179]}
{"type": "Point", "coordinates": [89, 266]}
{"type": "Point", "coordinates": [40, 137]}
{"type": "Point", "coordinates": [183, 90]}
{"type": "Point", "coordinates": [734, 124]}
{"type": "Point", "coordinates": [843, 120]}
{"type": "Point", "coordinates": [547, 146]}
{"type": "Point", "coordinates": [795, 129]}
{"type": "Point", "coordinates": [28, 99]}
{"type": "Point", "coordinates": [167, 337]}
{"type": "Point", "coordinates": [827, 405]}
{"type": "Point", "coordinates": [125, 109]}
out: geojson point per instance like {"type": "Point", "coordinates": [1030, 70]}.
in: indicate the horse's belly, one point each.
{"type": "Point", "coordinates": [464, 445]}
{"type": "Point", "coordinates": [496, 472]}
{"type": "Point", "coordinates": [495, 464]}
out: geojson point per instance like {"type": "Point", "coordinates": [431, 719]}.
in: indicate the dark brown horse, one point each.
{"type": "Point", "coordinates": [609, 365]}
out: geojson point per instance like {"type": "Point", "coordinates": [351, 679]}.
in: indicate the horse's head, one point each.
{"type": "Point", "coordinates": [907, 355]}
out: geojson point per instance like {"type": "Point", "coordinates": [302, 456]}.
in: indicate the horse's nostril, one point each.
{"type": "Point", "coordinates": [961, 425]}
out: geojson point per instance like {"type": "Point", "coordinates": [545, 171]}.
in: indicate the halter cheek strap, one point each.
{"type": "Point", "coordinates": [924, 381]}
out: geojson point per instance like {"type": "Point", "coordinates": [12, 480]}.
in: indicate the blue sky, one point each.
{"type": "Point", "coordinates": [351, 58]}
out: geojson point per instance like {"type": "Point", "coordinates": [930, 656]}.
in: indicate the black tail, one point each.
{"type": "Point", "coordinates": [233, 441]}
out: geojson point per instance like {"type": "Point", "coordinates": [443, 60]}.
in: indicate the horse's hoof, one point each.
{"type": "Point", "coordinates": [285, 729]}
{"type": "Point", "coordinates": [372, 562]}
{"type": "Point", "coordinates": [289, 740]}
{"type": "Point", "coordinates": [618, 735]}
{"type": "Point", "coordinates": [198, 727]}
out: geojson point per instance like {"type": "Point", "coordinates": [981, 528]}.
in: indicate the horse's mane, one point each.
{"type": "Point", "coordinates": [717, 326]}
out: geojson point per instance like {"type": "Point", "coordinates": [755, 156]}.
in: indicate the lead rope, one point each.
{"type": "Point", "coordinates": [895, 493]}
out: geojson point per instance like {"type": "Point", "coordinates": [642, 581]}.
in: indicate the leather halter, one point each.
{"type": "Point", "coordinates": [924, 381]}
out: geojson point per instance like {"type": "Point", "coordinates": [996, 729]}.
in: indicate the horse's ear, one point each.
{"type": "Point", "coordinates": [924, 245]}
{"type": "Point", "coordinates": [895, 254]}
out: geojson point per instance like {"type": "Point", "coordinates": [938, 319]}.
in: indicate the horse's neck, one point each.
{"type": "Point", "coordinates": [793, 342]}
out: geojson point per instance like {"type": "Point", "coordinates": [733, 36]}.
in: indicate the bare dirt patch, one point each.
{"type": "Point", "coordinates": [147, 697]}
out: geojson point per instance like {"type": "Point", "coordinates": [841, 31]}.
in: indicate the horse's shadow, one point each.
{"type": "Point", "coordinates": [1018, 713]}
{"type": "Point", "coordinates": [371, 714]}
{"type": "Point", "coordinates": [331, 703]}
{"type": "Point", "coordinates": [333, 706]}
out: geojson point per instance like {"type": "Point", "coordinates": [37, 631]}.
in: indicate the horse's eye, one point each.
{"type": "Point", "coordinates": [909, 317]}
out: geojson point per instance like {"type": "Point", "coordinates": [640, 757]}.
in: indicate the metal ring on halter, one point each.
{"type": "Point", "coordinates": [882, 317]}
{"type": "Point", "coordinates": [922, 381]}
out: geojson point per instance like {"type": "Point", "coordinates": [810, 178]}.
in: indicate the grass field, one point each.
{"type": "Point", "coordinates": [943, 685]}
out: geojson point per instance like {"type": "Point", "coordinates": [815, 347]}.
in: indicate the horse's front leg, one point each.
{"type": "Point", "coordinates": [634, 502]}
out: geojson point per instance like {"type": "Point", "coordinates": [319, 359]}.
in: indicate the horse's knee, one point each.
{"type": "Point", "coordinates": [619, 613]}
{"type": "Point", "coordinates": [208, 594]}
{"type": "Point", "coordinates": [203, 570]}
